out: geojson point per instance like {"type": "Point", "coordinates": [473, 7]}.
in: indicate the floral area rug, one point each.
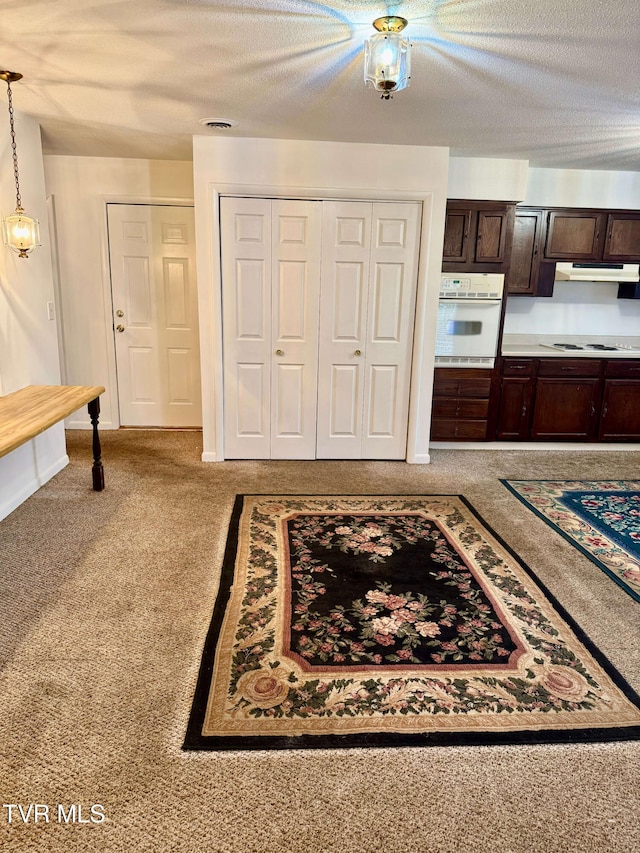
{"type": "Point", "coordinates": [601, 518]}
{"type": "Point", "coordinates": [398, 620]}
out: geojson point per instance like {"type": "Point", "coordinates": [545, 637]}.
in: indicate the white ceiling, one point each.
{"type": "Point", "coordinates": [556, 82]}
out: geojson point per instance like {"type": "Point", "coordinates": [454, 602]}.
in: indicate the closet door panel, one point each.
{"type": "Point", "coordinates": [346, 245]}
{"type": "Point", "coordinates": [295, 288]}
{"type": "Point", "coordinates": [389, 331]}
{"type": "Point", "coordinates": [245, 226]}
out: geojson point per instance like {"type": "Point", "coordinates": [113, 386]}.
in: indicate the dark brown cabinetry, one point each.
{"type": "Point", "coordinates": [528, 273]}
{"type": "Point", "coordinates": [622, 242]}
{"type": "Point", "coordinates": [574, 235]}
{"type": "Point", "coordinates": [543, 236]}
{"type": "Point", "coordinates": [620, 415]}
{"type": "Point", "coordinates": [477, 236]}
{"type": "Point", "coordinates": [539, 399]}
{"type": "Point", "coordinates": [516, 396]}
{"type": "Point", "coordinates": [567, 400]}
{"type": "Point", "coordinates": [461, 400]}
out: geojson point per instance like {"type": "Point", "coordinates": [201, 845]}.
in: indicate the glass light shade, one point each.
{"type": "Point", "coordinates": [21, 233]}
{"type": "Point", "coordinates": [387, 63]}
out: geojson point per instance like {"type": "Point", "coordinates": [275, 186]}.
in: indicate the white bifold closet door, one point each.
{"type": "Point", "coordinates": [271, 285]}
{"type": "Point", "coordinates": [369, 270]}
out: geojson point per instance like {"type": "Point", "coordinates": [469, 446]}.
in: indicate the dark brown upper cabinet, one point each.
{"type": "Point", "coordinates": [622, 242]}
{"type": "Point", "coordinates": [477, 236]}
{"type": "Point", "coordinates": [528, 274]}
{"type": "Point", "coordinates": [456, 234]}
{"type": "Point", "coordinates": [574, 235]}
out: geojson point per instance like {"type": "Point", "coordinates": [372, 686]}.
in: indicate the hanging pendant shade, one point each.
{"type": "Point", "coordinates": [20, 232]}
{"type": "Point", "coordinates": [387, 57]}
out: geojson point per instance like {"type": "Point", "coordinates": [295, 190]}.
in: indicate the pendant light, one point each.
{"type": "Point", "coordinates": [19, 231]}
{"type": "Point", "coordinates": [387, 57]}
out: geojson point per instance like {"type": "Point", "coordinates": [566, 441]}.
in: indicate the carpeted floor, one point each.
{"type": "Point", "coordinates": [105, 601]}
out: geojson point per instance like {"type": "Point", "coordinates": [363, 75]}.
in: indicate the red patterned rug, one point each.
{"type": "Point", "coordinates": [372, 620]}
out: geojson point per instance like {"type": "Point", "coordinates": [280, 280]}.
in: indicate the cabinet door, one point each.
{"type": "Point", "coordinates": [623, 237]}
{"type": "Point", "coordinates": [574, 235]}
{"type": "Point", "coordinates": [620, 418]}
{"type": "Point", "coordinates": [456, 235]}
{"type": "Point", "coordinates": [565, 409]}
{"type": "Point", "coordinates": [491, 237]}
{"type": "Point", "coordinates": [525, 252]}
{"type": "Point", "coordinates": [514, 411]}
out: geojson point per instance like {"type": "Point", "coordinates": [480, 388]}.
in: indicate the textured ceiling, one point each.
{"type": "Point", "coordinates": [556, 82]}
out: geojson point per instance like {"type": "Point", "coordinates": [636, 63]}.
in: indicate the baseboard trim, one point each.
{"type": "Point", "coordinates": [532, 445]}
{"type": "Point", "coordinates": [419, 459]}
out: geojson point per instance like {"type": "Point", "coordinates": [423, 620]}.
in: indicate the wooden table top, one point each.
{"type": "Point", "coordinates": [31, 410]}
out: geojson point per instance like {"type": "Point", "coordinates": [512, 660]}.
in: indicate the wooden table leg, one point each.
{"type": "Point", "coordinates": [97, 470]}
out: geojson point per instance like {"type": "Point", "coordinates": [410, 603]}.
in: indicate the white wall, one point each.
{"type": "Point", "coordinates": [576, 308]}
{"type": "Point", "coordinates": [28, 340]}
{"type": "Point", "coordinates": [81, 187]}
{"type": "Point", "coordinates": [325, 170]}
{"type": "Point", "coordinates": [583, 188]}
{"type": "Point", "coordinates": [487, 179]}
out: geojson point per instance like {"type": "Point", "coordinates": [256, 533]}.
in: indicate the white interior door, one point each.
{"type": "Point", "coordinates": [153, 281]}
{"type": "Point", "coordinates": [369, 269]}
{"type": "Point", "coordinates": [270, 274]}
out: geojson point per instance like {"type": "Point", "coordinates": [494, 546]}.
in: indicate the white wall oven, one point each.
{"type": "Point", "coordinates": [469, 312]}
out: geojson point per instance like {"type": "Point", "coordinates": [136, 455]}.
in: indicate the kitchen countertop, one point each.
{"type": "Point", "coordinates": [532, 346]}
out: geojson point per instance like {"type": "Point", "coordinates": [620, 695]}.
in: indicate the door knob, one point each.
{"type": "Point", "coordinates": [119, 313]}
{"type": "Point", "coordinates": [279, 352]}
{"type": "Point", "coordinates": [119, 328]}
{"type": "Point", "coordinates": [358, 352]}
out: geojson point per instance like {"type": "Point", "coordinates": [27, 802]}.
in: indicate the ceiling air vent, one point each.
{"type": "Point", "coordinates": [218, 123]}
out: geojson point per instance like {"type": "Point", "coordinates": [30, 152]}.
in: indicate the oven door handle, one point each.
{"type": "Point", "coordinates": [467, 301]}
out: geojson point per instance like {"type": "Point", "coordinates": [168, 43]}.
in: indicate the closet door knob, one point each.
{"type": "Point", "coordinates": [279, 352]}
{"type": "Point", "coordinates": [358, 352]}
{"type": "Point", "coordinates": [119, 328]}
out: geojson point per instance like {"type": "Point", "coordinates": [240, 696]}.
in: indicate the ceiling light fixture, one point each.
{"type": "Point", "coordinates": [387, 57]}
{"type": "Point", "coordinates": [19, 231]}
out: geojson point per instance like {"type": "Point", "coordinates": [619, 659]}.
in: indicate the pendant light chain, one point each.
{"type": "Point", "coordinates": [13, 148]}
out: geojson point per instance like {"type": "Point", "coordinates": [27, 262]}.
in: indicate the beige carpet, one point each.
{"type": "Point", "coordinates": [105, 600]}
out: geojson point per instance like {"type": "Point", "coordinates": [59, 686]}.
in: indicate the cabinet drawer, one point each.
{"type": "Point", "coordinates": [461, 408]}
{"type": "Point", "coordinates": [569, 367]}
{"type": "Point", "coordinates": [623, 368]}
{"type": "Point", "coordinates": [455, 387]}
{"type": "Point", "coordinates": [443, 429]}
{"type": "Point", "coordinates": [517, 367]}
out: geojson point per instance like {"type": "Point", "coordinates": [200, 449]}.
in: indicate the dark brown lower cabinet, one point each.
{"type": "Point", "coordinates": [461, 399]}
{"type": "Point", "coordinates": [514, 413]}
{"type": "Point", "coordinates": [565, 409]}
{"type": "Point", "coordinates": [569, 399]}
{"type": "Point", "coordinates": [620, 417]}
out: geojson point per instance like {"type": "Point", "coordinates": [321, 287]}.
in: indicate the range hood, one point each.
{"type": "Point", "coordinates": [596, 272]}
